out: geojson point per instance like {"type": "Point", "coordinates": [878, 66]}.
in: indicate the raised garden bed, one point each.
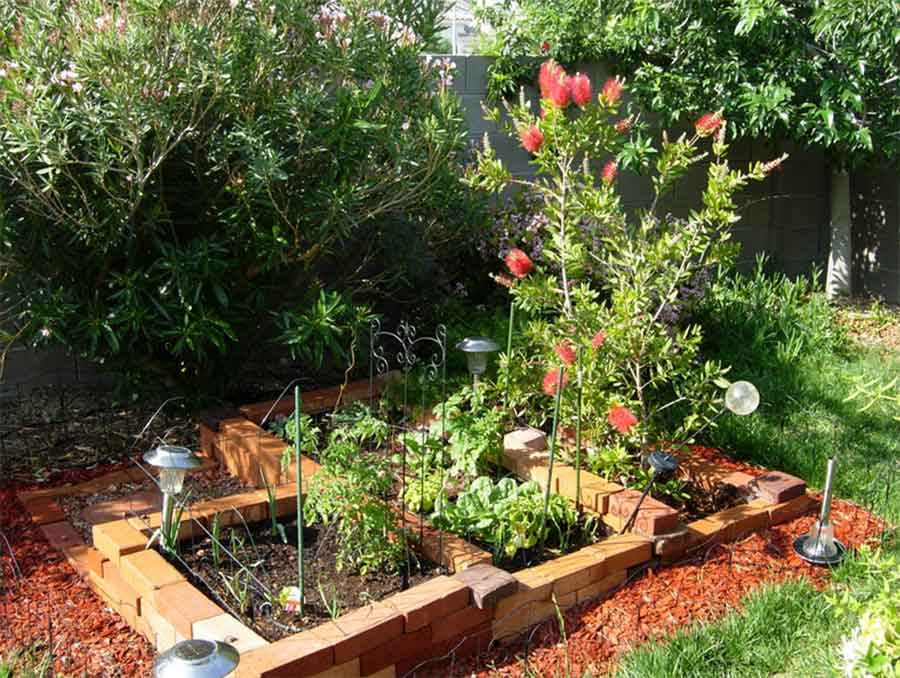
{"type": "Point", "coordinates": [461, 613]}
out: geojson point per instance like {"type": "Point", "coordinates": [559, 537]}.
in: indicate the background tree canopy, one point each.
{"type": "Point", "coordinates": [821, 72]}
{"type": "Point", "coordinates": [179, 177]}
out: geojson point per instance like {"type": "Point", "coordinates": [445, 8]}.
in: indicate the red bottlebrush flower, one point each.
{"type": "Point", "coordinates": [621, 419]}
{"type": "Point", "coordinates": [545, 47]}
{"type": "Point", "coordinates": [518, 263]}
{"type": "Point", "coordinates": [624, 124]}
{"type": "Point", "coordinates": [558, 92]}
{"type": "Point", "coordinates": [531, 138]}
{"type": "Point", "coordinates": [612, 91]}
{"type": "Point", "coordinates": [580, 89]}
{"type": "Point", "coordinates": [598, 339]}
{"type": "Point", "coordinates": [566, 351]}
{"type": "Point", "coordinates": [550, 379]}
{"type": "Point", "coordinates": [550, 73]}
{"type": "Point", "coordinates": [708, 124]}
{"type": "Point", "coordinates": [609, 172]}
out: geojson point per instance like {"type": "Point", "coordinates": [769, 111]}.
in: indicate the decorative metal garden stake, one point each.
{"type": "Point", "coordinates": [173, 463]}
{"type": "Point", "coordinates": [477, 350]}
{"type": "Point", "coordinates": [559, 379]}
{"type": "Point", "coordinates": [664, 466]}
{"type": "Point", "coordinates": [297, 440]}
{"type": "Point", "coordinates": [580, 387]}
{"type": "Point", "coordinates": [197, 659]}
{"type": "Point", "coordinates": [819, 547]}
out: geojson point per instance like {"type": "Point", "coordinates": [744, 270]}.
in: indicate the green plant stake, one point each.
{"type": "Point", "coordinates": [578, 430]}
{"type": "Point", "coordinates": [297, 438]}
{"type": "Point", "coordinates": [559, 378]}
{"type": "Point", "coordinates": [509, 336]}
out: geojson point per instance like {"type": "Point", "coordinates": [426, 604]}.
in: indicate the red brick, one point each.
{"type": "Point", "coordinates": [460, 622]}
{"type": "Point", "coordinates": [78, 556]}
{"type": "Point", "coordinates": [147, 571]}
{"type": "Point", "coordinates": [596, 493]}
{"type": "Point", "coordinates": [44, 510]}
{"type": "Point", "coordinates": [432, 600]}
{"type": "Point", "coordinates": [361, 630]}
{"type": "Point", "coordinates": [302, 654]}
{"type": "Point", "coordinates": [654, 517]}
{"type": "Point", "coordinates": [227, 629]}
{"type": "Point", "coordinates": [620, 552]}
{"type": "Point", "coordinates": [778, 487]}
{"type": "Point", "coordinates": [116, 539]}
{"type": "Point", "coordinates": [124, 599]}
{"type": "Point", "coordinates": [182, 605]}
{"type": "Point", "coordinates": [62, 535]}
{"type": "Point", "coordinates": [794, 508]}
{"type": "Point", "coordinates": [408, 646]}
{"type": "Point", "coordinates": [95, 561]}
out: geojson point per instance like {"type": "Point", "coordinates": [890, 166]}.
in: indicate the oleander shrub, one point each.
{"type": "Point", "coordinates": [174, 174]}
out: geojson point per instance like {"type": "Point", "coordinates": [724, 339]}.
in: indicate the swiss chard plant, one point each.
{"type": "Point", "coordinates": [508, 516]}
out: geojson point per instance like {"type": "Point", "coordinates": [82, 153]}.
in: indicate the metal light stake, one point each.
{"type": "Point", "coordinates": [553, 432]}
{"type": "Point", "coordinates": [297, 440]}
{"type": "Point", "coordinates": [663, 466]}
{"type": "Point", "coordinates": [819, 546]}
{"type": "Point", "coordinates": [477, 350]}
{"type": "Point", "coordinates": [197, 659]}
{"type": "Point", "coordinates": [173, 463]}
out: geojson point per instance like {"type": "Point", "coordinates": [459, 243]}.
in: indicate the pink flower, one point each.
{"type": "Point", "coordinates": [707, 124]}
{"type": "Point", "coordinates": [550, 381]}
{"type": "Point", "coordinates": [518, 263]}
{"type": "Point", "coordinates": [545, 47]}
{"type": "Point", "coordinates": [558, 93]}
{"type": "Point", "coordinates": [531, 138]}
{"type": "Point", "coordinates": [621, 419]}
{"type": "Point", "coordinates": [598, 339]}
{"type": "Point", "coordinates": [612, 91]}
{"type": "Point", "coordinates": [580, 88]}
{"type": "Point", "coordinates": [624, 124]}
{"type": "Point", "coordinates": [566, 351]}
{"type": "Point", "coordinates": [609, 172]}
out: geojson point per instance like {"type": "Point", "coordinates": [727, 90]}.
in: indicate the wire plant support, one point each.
{"type": "Point", "coordinates": [410, 351]}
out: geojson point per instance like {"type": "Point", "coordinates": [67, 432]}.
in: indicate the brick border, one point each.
{"type": "Point", "coordinates": [464, 612]}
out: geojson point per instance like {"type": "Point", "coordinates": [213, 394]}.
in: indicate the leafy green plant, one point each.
{"type": "Point", "coordinates": [508, 516]}
{"type": "Point", "coordinates": [171, 177]}
{"type": "Point", "coordinates": [168, 535]}
{"type": "Point", "coordinates": [358, 424]}
{"type": "Point", "coordinates": [474, 431]}
{"type": "Point", "coordinates": [422, 495]}
{"type": "Point", "coordinates": [611, 461]}
{"type": "Point", "coordinates": [353, 498]}
{"type": "Point", "coordinates": [821, 73]}
{"type": "Point", "coordinates": [330, 328]}
{"type": "Point", "coordinates": [307, 441]}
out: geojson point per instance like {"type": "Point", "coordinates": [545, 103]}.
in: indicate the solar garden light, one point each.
{"type": "Point", "coordinates": [173, 463]}
{"type": "Point", "coordinates": [741, 398]}
{"type": "Point", "coordinates": [197, 659]}
{"type": "Point", "coordinates": [477, 350]}
{"type": "Point", "coordinates": [819, 546]}
{"type": "Point", "coordinates": [663, 467]}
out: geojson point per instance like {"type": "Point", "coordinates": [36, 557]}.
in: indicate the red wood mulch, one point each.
{"type": "Point", "coordinates": [90, 640]}
{"type": "Point", "coordinates": [655, 603]}
{"type": "Point", "coordinates": [50, 605]}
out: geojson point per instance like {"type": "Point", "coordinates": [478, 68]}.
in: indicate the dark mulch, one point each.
{"type": "Point", "coordinates": [273, 565]}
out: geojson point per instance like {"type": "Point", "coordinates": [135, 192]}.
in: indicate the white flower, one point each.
{"type": "Point", "coordinates": [44, 332]}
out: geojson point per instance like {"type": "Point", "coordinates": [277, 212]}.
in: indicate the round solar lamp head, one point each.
{"type": "Point", "coordinates": [663, 464]}
{"type": "Point", "coordinates": [477, 350]}
{"type": "Point", "coordinates": [197, 659]}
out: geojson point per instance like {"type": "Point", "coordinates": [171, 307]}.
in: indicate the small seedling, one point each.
{"type": "Point", "coordinates": [331, 604]}
{"type": "Point", "coordinates": [168, 535]}
{"type": "Point", "coordinates": [239, 589]}
{"type": "Point", "coordinates": [216, 544]}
